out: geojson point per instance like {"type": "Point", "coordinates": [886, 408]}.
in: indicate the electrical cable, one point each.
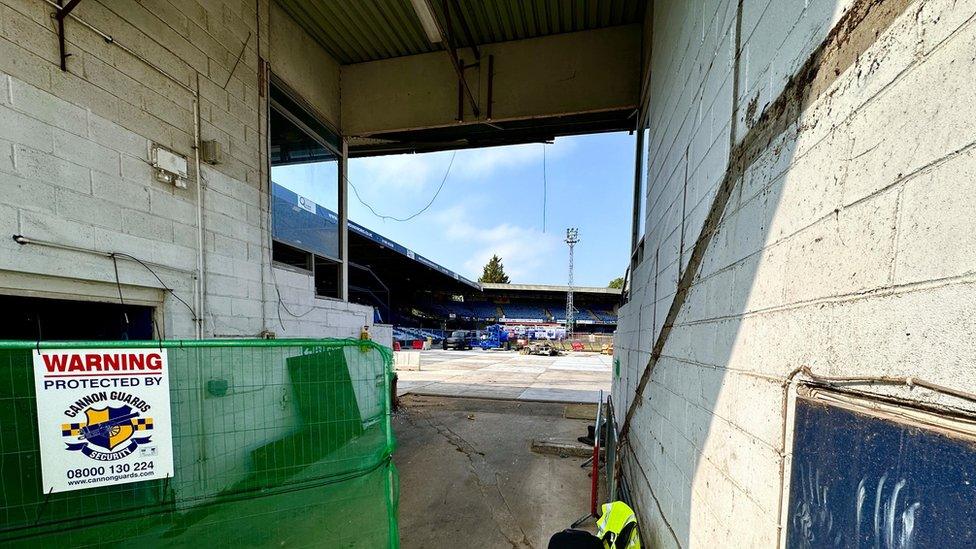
{"type": "Point", "coordinates": [545, 185]}
{"type": "Point", "coordinates": [409, 217]}
{"type": "Point", "coordinates": [37, 318]}
{"type": "Point", "coordinates": [23, 241]}
{"type": "Point", "coordinates": [281, 304]}
{"type": "Point", "coordinates": [274, 279]}
{"type": "Point", "coordinates": [447, 173]}
{"type": "Point", "coordinates": [159, 330]}
{"type": "Point", "coordinates": [118, 284]}
{"type": "Point", "coordinates": [909, 382]}
{"type": "Point", "coordinates": [165, 287]}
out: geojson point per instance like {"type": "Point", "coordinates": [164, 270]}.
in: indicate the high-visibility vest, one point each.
{"type": "Point", "coordinates": [615, 519]}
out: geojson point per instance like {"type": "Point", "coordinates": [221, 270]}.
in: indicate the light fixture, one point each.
{"type": "Point", "coordinates": [426, 16]}
{"type": "Point", "coordinates": [168, 166]}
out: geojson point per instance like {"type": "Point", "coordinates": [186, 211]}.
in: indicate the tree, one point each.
{"type": "Point", "coordinates": [617, 283]}
{"type": "Point", "coordinates": [494, 271]}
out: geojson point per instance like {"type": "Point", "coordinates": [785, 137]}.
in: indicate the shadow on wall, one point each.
{"type": "Point", "coordinates": [801, 228]}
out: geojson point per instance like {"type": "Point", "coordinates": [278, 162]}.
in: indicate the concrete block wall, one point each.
{"type": "Point", "coordinates": [316, 317]}
{"type": "Point", "coordinates": [845, 245]}
{"type": "Point", "coordinates": [382, 334]}
{"type": "Point", "coordinates": [74, 163]}
{"type": "Point", "coordinates": [74, 170]}
{"type": "Point", "coordinates": [60, 183]}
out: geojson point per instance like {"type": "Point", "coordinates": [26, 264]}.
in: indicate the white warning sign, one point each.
{"type": "Point", "coordinates": [103, 417]}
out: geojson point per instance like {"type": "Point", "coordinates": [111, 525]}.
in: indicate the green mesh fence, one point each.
{"type": "Point", "coordinates": [283, 443]}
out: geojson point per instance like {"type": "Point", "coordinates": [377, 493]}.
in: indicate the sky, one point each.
{"type": "Point", "coordinates": [492, 203]}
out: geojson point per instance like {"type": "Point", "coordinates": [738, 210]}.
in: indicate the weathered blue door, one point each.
{"type": "Point", "coordinates": [860, 480]}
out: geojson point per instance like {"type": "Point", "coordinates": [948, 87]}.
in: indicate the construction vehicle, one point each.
{"type": "Point", "coordinates": [495, 337]}
{"type": "Point", "coordinates": [543, 348]}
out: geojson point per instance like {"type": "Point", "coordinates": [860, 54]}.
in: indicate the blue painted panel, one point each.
{"type": "Point", "coordinates": [861, 481]}
{"type": "Point", "coordinates": [298, 226]}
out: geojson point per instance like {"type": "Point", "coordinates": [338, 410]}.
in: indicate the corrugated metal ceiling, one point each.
{"type": "Point", "coordinates": [354, 31]}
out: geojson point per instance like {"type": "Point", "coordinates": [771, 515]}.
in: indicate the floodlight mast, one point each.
{"type": "Point", "coordinates": [572, 238]}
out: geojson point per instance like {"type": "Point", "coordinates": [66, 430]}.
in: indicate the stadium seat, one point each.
{"type": "Point", "coordinates": [525, 310]}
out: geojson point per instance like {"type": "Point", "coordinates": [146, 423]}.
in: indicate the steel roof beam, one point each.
{"type": "Point", "coordinates": [448, 36]}
{"type": "Point", "coordinates": [66, 9]}
{"type": "Point", "coordinates": [465, 28]}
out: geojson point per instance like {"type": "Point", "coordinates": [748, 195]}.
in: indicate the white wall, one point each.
{"type": "Point", "coordinates": [74, 156]}
{"type": "Point", "coordinates": [846, 244]}
{"type": "Point", "coordinates": [74, 170]}
{"type": "Point", "coordinates": [315, 316]}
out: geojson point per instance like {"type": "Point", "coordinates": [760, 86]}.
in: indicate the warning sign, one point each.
{"type": "Point", "coordinates": [103, 417]}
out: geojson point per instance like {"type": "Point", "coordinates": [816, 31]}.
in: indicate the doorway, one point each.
{"type": "Point", "coordinates": [34, 318]}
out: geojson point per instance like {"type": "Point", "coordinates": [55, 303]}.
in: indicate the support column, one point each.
{"type": "Point", "coordinates": [344, 221]}
{"type": "Point", "coordinates": [638, 176]}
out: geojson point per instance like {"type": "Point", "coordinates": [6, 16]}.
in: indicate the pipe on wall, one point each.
{"type": "Point", "coordinates": [199, 290]}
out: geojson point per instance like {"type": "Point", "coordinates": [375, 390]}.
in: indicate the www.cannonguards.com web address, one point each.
{"type": "Point", "coordinates": [121, 476]}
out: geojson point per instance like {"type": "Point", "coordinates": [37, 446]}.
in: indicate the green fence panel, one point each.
{"type": "Point", "coordinates": [276, 443]}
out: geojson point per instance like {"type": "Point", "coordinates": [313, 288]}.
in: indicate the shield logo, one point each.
{"type": "Point", "coordinates": [108, 427]}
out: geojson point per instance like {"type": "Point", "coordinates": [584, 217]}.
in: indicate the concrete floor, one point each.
{"type": "Point", "coordinates": [574, 377]}
{"type": "Point", "coordinates": [468, 478]}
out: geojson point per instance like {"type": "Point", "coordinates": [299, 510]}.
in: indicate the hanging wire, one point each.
{"type": "Point", "coordinates": [409, 217]}
{"type": "Point", "coordinates": [37, 318]}
{"type": "Point", "coordinates": [281, 303]}
{"type": "Point", "coordinates": [274, 279]}
{"type": "Point", "coordinates": [118, 284]}
{"type": "Point", "coordinates": [148, 268]}
{"type": "Point", "coordinates": [545, 186]}
{"type": "Point", "coordinates": [125, 315]}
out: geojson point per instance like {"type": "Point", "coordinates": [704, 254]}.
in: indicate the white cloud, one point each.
{"type": "Point", "coordinates": [402, 172]}
{"type": "Point", "coordinates": [523, 250]}
{"type": "Point", "coordinates": [526, 251]}
{"type": "Point", "coordinates": [414, 172]}
{"type": "Point", "coordinates": [484, 163]}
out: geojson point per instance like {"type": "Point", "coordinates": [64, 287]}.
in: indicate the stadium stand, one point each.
{"type": "Point", "coordinates": [451, 309]}
{"type": "Point", "coordinates": [529, 311]}
{"type": "Point", "coordinates": [420, 333]}
{"type": "Point", "coordinates": [399, 334]}
{"type": "Point", "coordinates": [604, 315]}
{"type": "Point", "coordinates": [469, 310]}
{"type": "Point", "coordinates": [419, 297]}
{"type": "Point", "coordinates": [482, 310]}
{"type": "Point", "coordinates": [558, 313]}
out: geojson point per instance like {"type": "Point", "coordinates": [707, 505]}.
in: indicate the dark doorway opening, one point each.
{"type": "Point", "coordinates": [33, 318]}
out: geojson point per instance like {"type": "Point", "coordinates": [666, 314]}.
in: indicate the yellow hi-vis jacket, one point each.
{"type": "Point", "coordinates": [615, 518]}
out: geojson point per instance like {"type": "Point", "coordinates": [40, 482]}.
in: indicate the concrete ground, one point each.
{"type": "Point", "coordinates": [574, 377]}
{"type": "Point", "coordinates": [468, 478]}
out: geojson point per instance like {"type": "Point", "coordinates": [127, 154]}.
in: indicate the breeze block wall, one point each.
{"type": "Point", "coordinates": [74, 156]}
{"type": "Point", "coordinates": [74, 170]}
{"type": "Point", "coordinates": [810, 198]}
